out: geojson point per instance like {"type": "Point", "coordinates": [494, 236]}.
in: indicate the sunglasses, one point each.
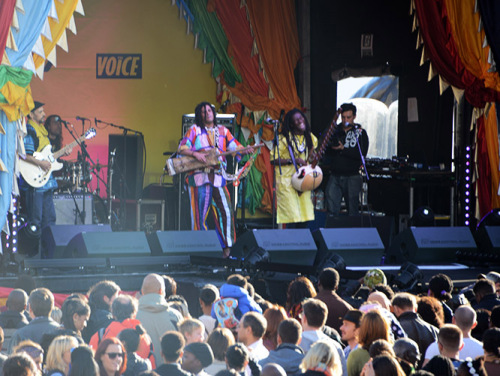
{"type": "Point", "coordinates": [113, 355]}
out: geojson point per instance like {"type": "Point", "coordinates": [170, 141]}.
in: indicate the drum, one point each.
{"type": "Point", "coordinates": [307, 178]}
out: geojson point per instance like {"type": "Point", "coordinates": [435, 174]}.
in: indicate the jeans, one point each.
{"type": "Point", "coordinates": [40, 208]}
{"type": "Point", "coordinates": [348, 187]}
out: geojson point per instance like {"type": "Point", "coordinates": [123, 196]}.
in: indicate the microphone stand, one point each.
{"type": "Point", "coordinates": [363, 163]}
{"type": "Point", "coordinates": [276, 149]}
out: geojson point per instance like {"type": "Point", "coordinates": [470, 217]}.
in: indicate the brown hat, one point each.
{"type": "Point", "coordinates": [37, 105]}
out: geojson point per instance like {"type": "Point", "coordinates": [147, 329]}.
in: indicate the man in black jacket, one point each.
{"type": "Point", "coordinates": [172, 349]}
{"type": "Point", "coordinates": [486, 296]}
{"type": "Point", "coordinates": [348, 142]}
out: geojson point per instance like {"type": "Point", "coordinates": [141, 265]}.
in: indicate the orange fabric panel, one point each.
{"type": "Point", "coordinates": [491, 135]}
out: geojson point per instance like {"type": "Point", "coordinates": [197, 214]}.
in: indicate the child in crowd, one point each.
{"type": "Point", "coordinates": [208, 295]}
{"type": "Point", "coordinates": [193, 330]}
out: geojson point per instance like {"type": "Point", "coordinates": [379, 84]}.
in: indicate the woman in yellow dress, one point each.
{"type": "Point", "coordinates": [293, 206]}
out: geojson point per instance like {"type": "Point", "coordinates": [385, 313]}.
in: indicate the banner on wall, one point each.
{"type": "Point", "coordinates": [127, 66]}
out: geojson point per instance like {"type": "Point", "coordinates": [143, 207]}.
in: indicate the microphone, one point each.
{"type": "Point", "coordinates": [81, 118]}
{"type": "Point", "coordinates": [282, 113]}
{"type": "Point", "coordinates": [96, 120]}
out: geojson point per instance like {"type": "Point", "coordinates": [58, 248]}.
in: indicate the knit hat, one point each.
{"type": "Point", "coordinates": [202, 352]}
{"type": "Point", "coordinates": [354, 316]}
{"type": "Point", "coordinates": [374, 277]}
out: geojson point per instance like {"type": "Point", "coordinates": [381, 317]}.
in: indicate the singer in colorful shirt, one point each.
{"type": "Point", "coordinates": [207, 187]}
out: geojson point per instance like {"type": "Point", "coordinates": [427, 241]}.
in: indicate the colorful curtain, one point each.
{"type": "Point", "coordinates": [6, 13]}
{"type": "Point", "coordinates": [490, 16]}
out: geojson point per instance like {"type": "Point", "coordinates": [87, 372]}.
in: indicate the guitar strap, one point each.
{"type": "Point", "coordinates": [293, 158]}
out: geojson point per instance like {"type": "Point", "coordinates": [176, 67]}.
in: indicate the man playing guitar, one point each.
{"type": "Point", "coordinates": [38, 203]}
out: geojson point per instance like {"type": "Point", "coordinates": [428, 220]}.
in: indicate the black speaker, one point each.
{"type": "Point", "coordinates": [291, 246]}
{"type": "Point", "coordinates": [357, 246]}
{"type": "Point", "coordinates": [108, 244]}
{"type": "Point", "coordinates": [428, 245]}
{"type": "Point", "coordinates": [488, 239]}
{"type": "Point", "coordinates": [128, 165]}
{"type": "Point", "coordinates": [55, 238]}
{"type": "Point", "coordinates": [177, 243]}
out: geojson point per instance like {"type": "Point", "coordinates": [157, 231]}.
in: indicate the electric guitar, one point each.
{"type": "Point", "coordinates": [34, 175]}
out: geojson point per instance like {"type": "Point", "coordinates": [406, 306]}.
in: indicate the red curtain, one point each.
{"type": "Point", "coordinates": [6, 13]}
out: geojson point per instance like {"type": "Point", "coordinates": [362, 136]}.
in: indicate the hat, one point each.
{"type": "Point", "coordinates": [354, 316]}
{"type": "Point", "coordinates": [37, 105]}
{"type": "Point", "coordinates": [374, 277]}
{"type": "Point", "coordinates": [202, 352]}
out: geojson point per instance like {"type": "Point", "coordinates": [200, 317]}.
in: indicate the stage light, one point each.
{"type": "Point", "coordinates": [408, 276]}
{"type": "Point", "coordinates": [255, 255]}
{"type": "Point", "coordinates": [29, 237]}
{"type": "Point", "coordinates": [423, 217]}
{"type": "Point", "coordinates": [333, 260]}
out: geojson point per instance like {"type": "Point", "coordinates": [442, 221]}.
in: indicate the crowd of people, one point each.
{"type": "Point", "coordinates": [108, 332]}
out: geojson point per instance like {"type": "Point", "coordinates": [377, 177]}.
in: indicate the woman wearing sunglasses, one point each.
{"type": "Point", "coordinates": [111, 357]}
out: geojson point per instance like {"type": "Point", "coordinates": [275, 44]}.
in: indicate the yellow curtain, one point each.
{"type": "Point", "coordinates": [65, 11]}
{"type": "Point", "coordinates": [491, 135]}
{"type": "Point", "coordinates": [464, 25]}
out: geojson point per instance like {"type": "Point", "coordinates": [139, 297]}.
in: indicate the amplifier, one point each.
{"type": "Point", "coordinates": [66, 208]}
{"type": "Point", "coordinates": [227, 120]}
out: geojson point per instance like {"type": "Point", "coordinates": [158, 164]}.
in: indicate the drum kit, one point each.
{"type": "Point", "coordinates": [75, 175]}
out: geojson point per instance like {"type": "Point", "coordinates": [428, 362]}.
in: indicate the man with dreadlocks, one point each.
{"type": "Point", "coordinates": [296, 138]}
{"type": "Point", "coordinates": [207, 186]}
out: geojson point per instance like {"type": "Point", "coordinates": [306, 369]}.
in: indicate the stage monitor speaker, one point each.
{"type": "Point", "coordinates": [290, 246]}
{"type": "Point", "coordinates": [177, 243]}
{"type": "Point", "coordinates": [108, 244]}
{"type": "Point", "coordinates": [488, 239]}
{"type": "Point", "coordinates": [430, 245]}
{"type": "Point", "coordinates": [357, 246]}
{"type": "Point", "coordinates": [127, 168]}
{"type": "Point", "coordinates": [55, 238]}
{"type": "Point", "coordinates": [65, 207]}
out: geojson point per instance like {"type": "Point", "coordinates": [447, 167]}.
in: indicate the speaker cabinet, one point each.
{"type": "Point", "coordinates": [55, 238]}
{"type": "Point", "coordinates": [357, 246]}
{"type": "Point", "coordinates": [177, 243]}
{"type": "Point", "coordinates": [66, 212]}
{"type": "Point", "coordinates": [430, 245]}
{"type": "Point", "coordinates": [127, 169]}
{"type": "Point", "coordinates": [290, 246]}
{"type": "Point", "coordinates": [488, 239]}
{"type": "Point", "coordinates": [108, 244]}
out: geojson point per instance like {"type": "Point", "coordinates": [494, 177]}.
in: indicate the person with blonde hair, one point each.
{"type": "Point", "coordinates": [373, 327]}
{"type": "Point", "coordinates": [321, 358]}
{"type": "Point", "coordinates": [59, 355]}
{"type": "Point", "coordinates": [193, 330]}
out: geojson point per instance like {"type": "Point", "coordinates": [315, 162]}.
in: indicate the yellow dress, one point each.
{"type": "Point", "coordinates": [292, 207]}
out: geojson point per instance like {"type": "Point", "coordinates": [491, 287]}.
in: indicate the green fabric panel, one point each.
{"type": "Point", "coordinates": [18, 76]}
{"type": "Point", "coordinates": [213, 38]}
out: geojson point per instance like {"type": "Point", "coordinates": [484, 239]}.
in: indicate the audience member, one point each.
{"type": "Point", "coordinates": [227, 372]}
{"type": "Point", "coordinates": [101, 296]}
{"type": "Point", "coordinates": [485, 295]}
{"type": "Point", "coordinates": [130, 339]}
{"type": "Point", "coordinates": [300, 289]}
{"type": "Point", "coordinates": [41, 302]}
{"type": "Point", "coordinates": [440, 366]}
{"type": "Point", "coordinates": [219, 340]}
{"type": "Point", "coordinates": [172, 348]}
{"type": "Point", "coordinates": [450, 343]}
{"type": "Point", "coordinates": [180, 304]}
{"type": "Point", "coordinates": [14, 317]}
{"type": "Point", "coordinates": [328, 283]}
{"type": "Point", "coordinates": [321, 359]}
{"type": "Point", "coordinates": [313, 318]}
{"type": "Point", "coordinates": [350, 330]}
{"type": "Point", "coordinates": [394, 325]}
{"type": "Point", "coordinates": [380, 347]}
{"type": "Point", "coordinates": [495, 278]}
{"type": "Point", "coordinates": [407, 349]}
{"type": "Point", "coordinates": [405, 309]}
{"type": "Point", "coordinates": [465, 319]}
{"type": "Point", "coordinates": [208, 295]}
{"type": "Point", "coordinates": [287, 354]}
{"type": "Point", "coordinates": [440, 287]}
{"type": "Point", "coordinates": [431, 311]}
{"type": "Point", "coordinates": [237, 358]}
{"type": "Point", "coordinates": [384, 289]}
{"type": "Point", "coordinates": [380, 298]}
{"type": "Point", "coordinates": [274, 315]}
{"type": "Point", "coordinates": [59, 356]}
{"type": "Point", "coordinates": [495, 317]}
{"type": "Point", "coordinates": [75, 314]}
{"type": "Point", "coordinates": [472, 367]}
{"type": "Point", "coordinates": [250, 330]}
{"type": "Point", "coordinates": [483, 317]}
{"type": "Point", "coordinates": [193, 330]}
{"type": "Point", "coordinates": [273, 369]}
{"type": "Point", "coordinates": [154, 313]}
{"type": "Point", "coordinates": [170, 286]}
{"type": "Point", "coordinates": [384, 365]}
{"type": "Point", "coordinates": [111, 357]}
{"type": "Point", "coordinates": [124, 310]}
{"type": "Point", "coordinates": [3, 357]}
{"type": "Point", "coordinates": [20, 365]}
{"type": "Point", "coordinates": [491, 346]}
{"type": "Point", "coordinates": [373, 327]}
{"type": "Point", "coordinates": [33, 349]}
{"type": "Point", "coordinates": [83, 362]}
{"type": "Point", "coordinates": [197, 356]}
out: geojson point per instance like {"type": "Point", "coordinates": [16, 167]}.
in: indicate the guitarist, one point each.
{"type": "Point", "coordinates": [345, 180]}
{"type": "Point", "coordinates": [37, 203]}
{"type": "Point", "coordinates": [207, 187]}
{"type": "Point", "coordinates": [293, 208]}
